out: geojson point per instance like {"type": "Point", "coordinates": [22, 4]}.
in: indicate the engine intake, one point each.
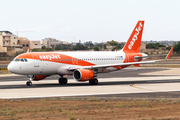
{"type": "Point", "coordinates": [83, 74]}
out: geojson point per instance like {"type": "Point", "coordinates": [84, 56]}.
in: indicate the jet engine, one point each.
{"type": "Point", "coordinates": [83, 74]}
{"type": "Point", "coordinates": [37, 77]}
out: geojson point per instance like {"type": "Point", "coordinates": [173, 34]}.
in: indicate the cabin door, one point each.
{"type": "Point", "coordinates": [36, 61]}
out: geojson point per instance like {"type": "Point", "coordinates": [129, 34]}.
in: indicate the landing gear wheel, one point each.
{"type": "Point", "coordinates": [93, 81]}
{"type": "Point", "coordinates": [60, 80]}
{"type": "Point", "coordinates": [63, 80]}
{"type": "Point", "coordinates": [29, 83]}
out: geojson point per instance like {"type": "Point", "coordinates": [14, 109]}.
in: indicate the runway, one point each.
{"type": "Point", "coordinates": [139, 83]}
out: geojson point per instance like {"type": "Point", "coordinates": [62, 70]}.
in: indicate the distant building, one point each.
{"type": "Point", "coordinates": [49, 42]}
{"type": "Point", "coordinates": [35, 45]}
{"type": "Point", "coordinates": [11, 43]}
{"type": "Point", "coordinates": [24, 42]}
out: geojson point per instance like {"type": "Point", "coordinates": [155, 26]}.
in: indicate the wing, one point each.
{"type": "Point", "coordinates": [110, 65]}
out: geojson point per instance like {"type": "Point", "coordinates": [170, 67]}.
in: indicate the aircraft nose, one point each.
{"type": "Point", "coordinates": [10, 67]}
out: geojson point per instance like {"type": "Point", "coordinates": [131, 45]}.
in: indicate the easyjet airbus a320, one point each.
{"type": "Point", "coordinates": [84, 66]}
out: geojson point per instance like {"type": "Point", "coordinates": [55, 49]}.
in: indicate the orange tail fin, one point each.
{"type": "Point", "coordinates": [134, 42]}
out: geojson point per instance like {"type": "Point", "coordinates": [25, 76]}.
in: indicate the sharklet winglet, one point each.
{"type": "Point", "coordinates": [169, 54]}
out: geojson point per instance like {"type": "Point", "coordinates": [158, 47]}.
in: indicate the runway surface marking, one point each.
{"type": "Point", "coordinates": [133, 85]}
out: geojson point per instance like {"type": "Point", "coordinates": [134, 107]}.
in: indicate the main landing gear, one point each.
{"type": "Point", "coordinates": [94, 81]}
{"type": "Point", "coordinates": [63, 80]}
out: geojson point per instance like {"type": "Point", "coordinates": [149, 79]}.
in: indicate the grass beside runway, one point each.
{"type": "Point", "coordinates": [90, 109]}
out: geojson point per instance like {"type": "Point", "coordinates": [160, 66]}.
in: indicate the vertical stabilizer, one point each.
{"type": "Point", "coordinates": [134, 42]}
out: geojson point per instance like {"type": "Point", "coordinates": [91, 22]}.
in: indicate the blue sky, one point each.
{"type": "Point", "coordinates": [91, 20]}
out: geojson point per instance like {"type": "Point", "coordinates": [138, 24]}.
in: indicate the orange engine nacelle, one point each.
{"type": "Point", "coordinates": [38, 77]}
{"type": "Point", "coordinates": [83, 74]}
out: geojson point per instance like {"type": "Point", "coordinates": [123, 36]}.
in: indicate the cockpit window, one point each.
{"type": "Point", "coordinates": [22, 60]}
{"type": "Point", "coordinates": [25, 60]}
{"type": "Point", "coordinates": [17, 60]}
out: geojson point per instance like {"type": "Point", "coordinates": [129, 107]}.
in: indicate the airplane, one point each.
{"type": "Point", "coordinates": [83, 66]}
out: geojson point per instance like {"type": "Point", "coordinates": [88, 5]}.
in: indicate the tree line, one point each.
{"type": "Point", "coordinates": [86, 46]}
{"type": "Point", "coordinates": [103, 46]}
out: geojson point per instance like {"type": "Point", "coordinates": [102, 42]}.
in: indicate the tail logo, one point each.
{"type": "Point", "coordinates": [135, 37]}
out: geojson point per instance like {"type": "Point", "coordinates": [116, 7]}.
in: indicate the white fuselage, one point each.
{"type": "Point", "coordinates": [50, 66]}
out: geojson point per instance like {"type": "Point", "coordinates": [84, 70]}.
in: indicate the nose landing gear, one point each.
{"type": "Point", "coordinates": [29, 83]}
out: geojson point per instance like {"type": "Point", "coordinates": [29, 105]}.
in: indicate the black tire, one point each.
{"type": "Point", "coordinates": [29, 83]}
{"type": "Point", "coordinates": [60, 80]}
{"type": "Point", "coordinates": [91, 82]}
{"type": "Point", "coordinates": [95, 81]}
{"type": "Point", "coordinates": [64, 80]}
